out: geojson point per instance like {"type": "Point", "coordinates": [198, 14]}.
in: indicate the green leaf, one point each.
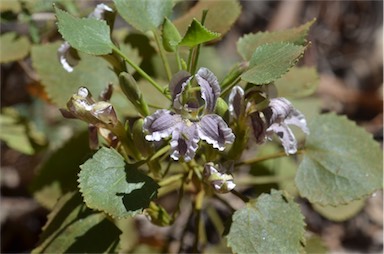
{"type": "Point", "coordinates": [144, 15]}
{"type": "Point", "coordinates": [92, 72]}
{"type": "Point", "coordinates": [13, 48]}
{"type": "Point", "coordinates": [220, 18]}
{"type": "Point", "coordinates": [108, 186]}
{"type": "Point", "coordinates": [270, 61]}
{"type": "Point", "coordinates": [73, 228]}
{"type": "Point", "coordinates": [89, 35]}
{"type": "Point", "coordinates": [58, 174]}
{"type": "Point", "coordinates": [314, 244]}
{"type": "Point", "coordinates": [272, 223]}
{"type": "Point", "coordinates": [341, 212]}
{"type": "Point", "coordinates": [298, 82]}
{"type": "Point", "coordinates": [197, 34]}
{"type": "Point", "coordinates": [341, 162]}
{"type": "Point", "coordinates": [14, 132]}
{"type": "Point", "coordinates": [171, 36]}
{"type": "Point", "coordinates": [247, 44]}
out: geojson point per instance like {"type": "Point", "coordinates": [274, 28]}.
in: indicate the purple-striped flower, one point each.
{"type": "Point", "coordinates": [185, 123]}
{"type": "Point", "coordinates": [274, 119]}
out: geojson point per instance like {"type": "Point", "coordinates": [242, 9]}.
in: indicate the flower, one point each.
{"type": "Point", "coordinates": [219, 177]}
{"type": "Point", "coordinates": [185, 124]}
{"type": "Point", "coordinates": [274, 118]}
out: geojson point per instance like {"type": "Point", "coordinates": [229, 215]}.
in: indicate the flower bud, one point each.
{"type": "Point", "coordinates": [219, 178]}
{"type": "Point", "coordinates": [129, 86]}
{"type": "Point", "coordinates": [139, 140]}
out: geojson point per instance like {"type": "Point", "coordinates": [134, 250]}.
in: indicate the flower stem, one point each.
{"type": "Point", "coordinates": [267, 157]}
{"type": "Point", "coordinates": [163, 56]}
{"type": "Point", "coordinates": [141, 72]}
{"type": "Point", "coordinates": [239, 195]}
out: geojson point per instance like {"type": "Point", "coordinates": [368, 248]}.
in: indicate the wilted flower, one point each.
{"type": "Point", "coordinates": [185, 124]}
{"type": "Point", "coordinates": [83, 106]}
{"type": "Point", "coordinates": [219, 177]}
{"type": "Point", "coordinates": [275, 118]}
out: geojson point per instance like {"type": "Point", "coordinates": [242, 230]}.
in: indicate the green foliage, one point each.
{"type": "Point", "coordinates": [108, 185]}
{"type": "Point", "coordinates": [92, 72]}
{"type": "Point", "coordinates": [88, 35]}
{"type": "Point", "coordinates": [341, 162]}
{"type": "Point", "coordinates": [58, 173]}
{"type": "Point", "coordinates": [215, 21]}
{"type": "Point", "coordinates": [197, 34]}
{"type": "Point", "coordinates": [270, 61]}
{"type": "Point", "coordinates": [260, 227]}
{"type": "Point", "coordinates": [13, 48]}
{"type": "Point", "coordinates": [299, 82]}
{"type": "Point", "coordinates": [18, 133]}
{"type": "Point", "coordinates": [247, 44]}
{"type": "Point", "coordinates": [73, 228]}
{"type": "Point", "coordinates": [144, 15]}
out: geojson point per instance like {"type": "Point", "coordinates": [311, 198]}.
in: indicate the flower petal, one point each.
{"type": "Point", "coordinates": [281, 109]}
{"type": "Point", "coordinates": [286, 136]}
{"type": "Point", "coordinates": [184, 142]}
{"type": "Point", "coordinates": [236, 104]}
{"type": "Point", "coordinates": [175, 84]}
{"type": "Point", "coordinates": [98, 12]}
{"type": "Point", "coordinates": [210, 89]}
{"type": "Point", "coordinates": [215, 131]}
{"type": "Point", "coordinates": [259, 127]}
{"type": "Point", "coordinates": [160, 124]}
{"type": "Point", "coordinates": [178, 92]}
{"type": "Point", "coordinates": [67, 60]}
{"type": "Point", "coordinates": [298, 119]}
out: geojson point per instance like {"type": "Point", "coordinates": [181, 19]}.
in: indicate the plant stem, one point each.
{"type": "Point", "coordinates": [267, 157]}
{"type": "Point", "coordinates": [141, 72]}
{"type": "Point", "coordinates": [163, 56]}
{"type": "Point", "coordinates": [239, 195]}
{"type": "Point", "coordinates": [159, 152]}
{"type": "Point", "coordinates": [198, 206]}
{"type": "Point", "coordinates": [121, 134]}
{"type": "Point", "coordinates": [178, 60]}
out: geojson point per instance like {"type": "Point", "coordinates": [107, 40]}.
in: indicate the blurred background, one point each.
{"type": "Point", "coordinates": [346, 49]}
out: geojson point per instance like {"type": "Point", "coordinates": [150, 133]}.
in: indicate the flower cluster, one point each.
{"type": "Point", "coordinates": [185, 123]}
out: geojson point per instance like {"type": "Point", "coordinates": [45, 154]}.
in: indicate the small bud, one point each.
{"type": "Point", "coordinates": [139, 140]}
{"type": "Point", "coordinates": [219, 178]}
{"type": "Point", "coordinates": [221, 107]}
{"type": "Point", "coordinates": [129, 86]}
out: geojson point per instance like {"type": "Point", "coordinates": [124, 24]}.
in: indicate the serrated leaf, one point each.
{"type": "Point", "coordinates": [299, 82]}
{"type": "Point", "coordinates": [341, 162]}
{"type": "Point", "coordinates": [72, 228]}
{"type": "Point", "coordinates": [144, 15]}
{"type": "Point", "coordinates": [89, 35]}
{"type": "Point", "coordinates": [171, 36]}
{"type": "Point", "coordinates": [270, 61]}
{"type": "Point", "coordinates": [108, 185]}
{"type": "Point", "coordinates": [92, 72]}
{"type": "Point", "coordinates": [272, 223]}
{"type": "Point", "coordinates": [197, 34]}
{"type": "Point", "coordinates": [13, 48]}
{"type": "Point", "coordinates": [247, 44]}
{"type": "Point", "coordinates": [215, 21]}
{"type": "Point", "coordinates": [58, 174]}
{"type": "Point", "coordinates": [341, 212]}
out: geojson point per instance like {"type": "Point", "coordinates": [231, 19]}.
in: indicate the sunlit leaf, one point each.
{"type": "Point", "coordinates": [108, 185]}
{"type": "Point", "coordinates": [89, 35]}
{"type": "Point", "coordinates": [197, 34]}
{"type": "Point", "coordinates": [341, 162]}
{"type": "Point", "coordinates": [298, 82]}
{"type": "Point", "coordinates": [247, 44]}
{"type": "Point", "coordinates": [144, 15]}
{"type": "Point", "coordinates": [270, 61]}
{"type": "Point", "coordinates": [272, 223]}
{"type": "Point", "coordinates": [13, 48]}
{"type": "Point", "coordinates": [220, 18]}
{"type": "Point", "coordinates": [58, 174]}
{"type": "Point", "coordinates": [72, 228]}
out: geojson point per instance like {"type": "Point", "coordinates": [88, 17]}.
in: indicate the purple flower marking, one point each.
{"type": "Point", "coordinates": [185, 132]}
